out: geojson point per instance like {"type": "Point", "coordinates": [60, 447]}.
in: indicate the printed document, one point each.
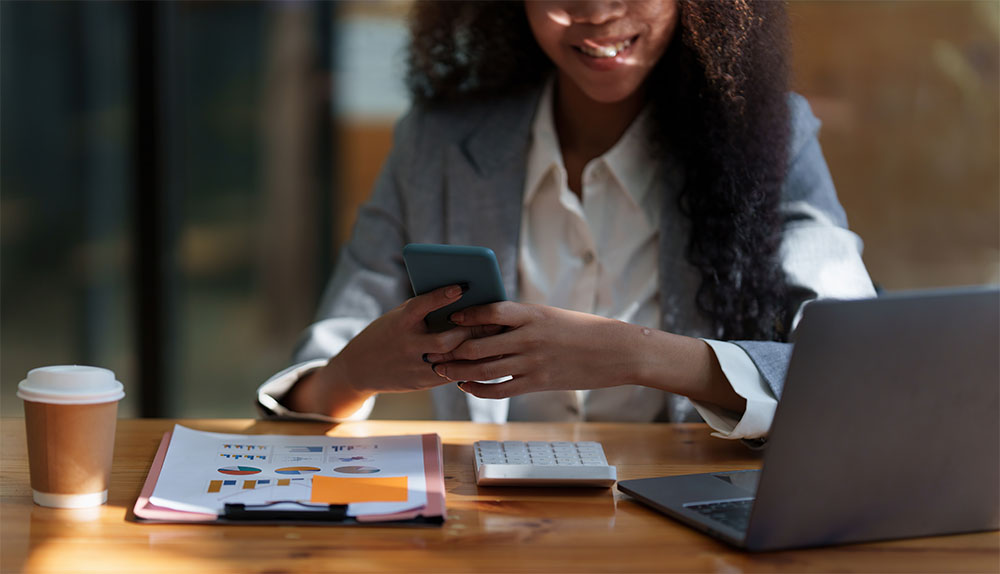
{"type": "Point", "coordinates": [203, 471]}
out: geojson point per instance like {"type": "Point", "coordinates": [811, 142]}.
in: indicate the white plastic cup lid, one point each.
{"type": "Point", "coordinates": [70, 385]}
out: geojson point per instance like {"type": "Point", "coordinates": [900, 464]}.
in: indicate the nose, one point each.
{"type": "Point", "coordinates": [595, 12]}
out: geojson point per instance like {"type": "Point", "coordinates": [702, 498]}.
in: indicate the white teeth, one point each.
{"type": "Point", "coordinates": [605, 51]}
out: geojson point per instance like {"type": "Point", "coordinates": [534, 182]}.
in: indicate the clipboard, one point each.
{"type": "Point", "coordinates": [432, 514]}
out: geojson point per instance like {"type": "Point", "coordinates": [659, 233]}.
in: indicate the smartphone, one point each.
{"type": "Point", "coordinates": [431, 266]}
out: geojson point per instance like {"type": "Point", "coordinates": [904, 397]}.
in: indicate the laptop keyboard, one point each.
{"type": "Point", "coordinates": [733, 513]}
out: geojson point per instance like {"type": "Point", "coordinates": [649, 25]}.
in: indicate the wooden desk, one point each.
{"type": "Point", "coordinates": [488, 529]}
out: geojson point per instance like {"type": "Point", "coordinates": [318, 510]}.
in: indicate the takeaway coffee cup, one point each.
{"type": "Point", "coordinates": [70, 413]}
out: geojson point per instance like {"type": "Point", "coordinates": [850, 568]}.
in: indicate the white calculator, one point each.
{"type": "Point", "coordinates": [541, 463]}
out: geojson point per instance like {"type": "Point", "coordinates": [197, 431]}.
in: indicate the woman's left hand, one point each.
{"type": "Point", "coordinates": [543, 349]}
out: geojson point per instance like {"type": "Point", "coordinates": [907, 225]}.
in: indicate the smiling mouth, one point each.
{"type": "Point", "coordinates": [609, 51]}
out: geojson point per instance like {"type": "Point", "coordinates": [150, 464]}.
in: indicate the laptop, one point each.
{"type": "Point", "coordinates": [888, 427]}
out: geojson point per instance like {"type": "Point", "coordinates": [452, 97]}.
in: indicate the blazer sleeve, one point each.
{"type": "Point", "coordinates": [820, 256]}
{"type": "Point", "coordinates": [369, 279]}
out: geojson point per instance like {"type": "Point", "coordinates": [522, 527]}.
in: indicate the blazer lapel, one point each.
{"type": "Point", "coordinates": [484, 183]}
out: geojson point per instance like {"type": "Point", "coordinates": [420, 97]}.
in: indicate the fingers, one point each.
{"type": "Point", "coordinates": [471, 348]}
{"type": "Point", "coordinates": [506, 313]}
{"type": "Point", "coordinates": [484, 370]}
{"type": "Point", "coordinates": [421, 305]}
{"type": "Point", "coordinates": [514, 387]}
{"type": "Point", "coordinates": [480, 331]}
{"type": "Point", "coordinates": [441, 344]}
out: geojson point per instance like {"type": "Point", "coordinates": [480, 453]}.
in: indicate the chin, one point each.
{"type": "Point", "coordinates": [611, 94]}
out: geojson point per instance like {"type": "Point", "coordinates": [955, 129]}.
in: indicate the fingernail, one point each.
{"type": "Point", "coordinates": [457, 317]}
{"type": "Point", "coordinates": [460, 383]}
{"type": "Point", "coordinates": [453, 291]}
{"type": "Point", "coordinates": [438, 373]}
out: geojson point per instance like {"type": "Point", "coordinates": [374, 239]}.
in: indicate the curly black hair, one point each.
{"type": "Point", "coordinates": [719, 97]}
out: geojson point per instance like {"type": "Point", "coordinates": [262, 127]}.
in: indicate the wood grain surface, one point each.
{"type": "Point", "coordinates": [488, 529]}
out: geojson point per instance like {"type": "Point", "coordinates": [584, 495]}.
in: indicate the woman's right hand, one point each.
{"type": "Point", "coordinates": [386, 357]}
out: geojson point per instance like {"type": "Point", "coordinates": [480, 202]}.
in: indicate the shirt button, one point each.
{"type": "Point", "coordinates": [588, 258]}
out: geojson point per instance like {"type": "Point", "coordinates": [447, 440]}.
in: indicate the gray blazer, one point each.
{"type": "Point", "coordinates": [456, 175]}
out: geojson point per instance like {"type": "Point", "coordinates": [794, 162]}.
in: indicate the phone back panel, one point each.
{"type": "Point", "coordinates": [431, 266]}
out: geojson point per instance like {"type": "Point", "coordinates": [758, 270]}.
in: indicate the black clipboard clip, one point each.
{"type": "Point", "coordinates": [325, 513]}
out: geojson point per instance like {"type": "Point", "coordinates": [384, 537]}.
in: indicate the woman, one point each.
{"type": "Point", "coordinates": [658, 203]}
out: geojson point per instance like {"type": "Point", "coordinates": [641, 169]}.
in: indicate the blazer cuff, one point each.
{"type": "Point", "coordinates": [748, 383]}
{"type": "Point", "coordinates": [271, 393]}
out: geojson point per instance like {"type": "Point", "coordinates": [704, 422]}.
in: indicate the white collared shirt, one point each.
{"type": "Point", "coordinates": [601, 256]}
{"type": "Point", "coordinates": [599, 253]}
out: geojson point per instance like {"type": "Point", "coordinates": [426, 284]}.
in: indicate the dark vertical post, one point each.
{"type": "Point", "coordinates": [149, 196]}
{"type": "Point", "coordinates": [327, 185]}
{"type": "Point", "coordinates": [79, 167]}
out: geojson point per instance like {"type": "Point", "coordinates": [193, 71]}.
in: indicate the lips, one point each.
{"type": "Point", "coordinates": [605, 49]}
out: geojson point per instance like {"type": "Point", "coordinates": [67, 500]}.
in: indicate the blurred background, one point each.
{"type": "Point", "coordinates": [176, 178]}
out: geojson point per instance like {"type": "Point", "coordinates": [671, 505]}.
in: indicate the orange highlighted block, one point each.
{"type": "Point", "coordinates": [339, 490]}
{"type": "Point", "coordinates": [215, 486]}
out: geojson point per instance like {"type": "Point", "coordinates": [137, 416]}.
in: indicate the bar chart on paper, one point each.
{"type": "Point", "coordinates": [247, 457]}
{"type": "Point", "coordinates": [229, 486]}
{"type": "Point", "coordinates": [252, 484]}
{"type": "Point", "coordinates": [349, 448]}
{"type": "Point", "coordinates": [216, 485]}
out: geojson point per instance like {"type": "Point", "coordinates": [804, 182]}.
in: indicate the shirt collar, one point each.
{"type": "Point", "coordinates": [631, 160]}
{"type": "Point", "coordinates": [544, 155]}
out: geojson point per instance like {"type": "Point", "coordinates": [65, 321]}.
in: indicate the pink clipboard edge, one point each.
{"type": "Point", "coordinates": [434, 480]}
{"type": "Point", "coordinates": [433, 476]}
{"type": "Point", "coordinates": [147, 510]}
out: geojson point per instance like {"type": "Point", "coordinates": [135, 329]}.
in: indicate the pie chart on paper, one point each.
{"type": "Point", "coordinates": [239, 470]}
{"type": "Point", "coordinates": [356, 469]}
{"type": "Point", "coordinates": [297, 470]}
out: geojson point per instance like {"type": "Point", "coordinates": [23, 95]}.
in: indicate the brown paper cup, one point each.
{"type": "Point", "coordinates": [69, 452]}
